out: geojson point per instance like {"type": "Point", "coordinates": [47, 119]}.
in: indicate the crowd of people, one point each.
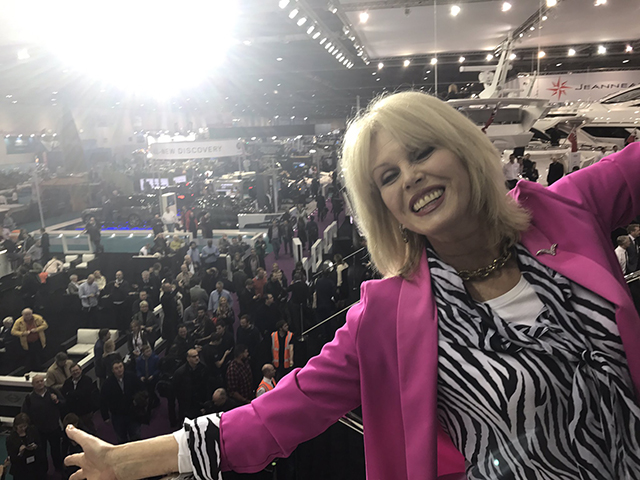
{"type": "Point", "coordinates": [220, 339]}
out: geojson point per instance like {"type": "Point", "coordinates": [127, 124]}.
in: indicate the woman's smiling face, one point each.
{"type": "Point", "coordinates": [428, 191]}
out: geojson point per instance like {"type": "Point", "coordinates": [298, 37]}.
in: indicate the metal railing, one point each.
{"type": "Point", "coordinates": [353, 421]}
{"type": "Point", "coordinates": [327, 319]}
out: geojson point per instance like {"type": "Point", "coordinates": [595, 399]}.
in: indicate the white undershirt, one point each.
{"type": "Point", "coordinates": [519, 305]}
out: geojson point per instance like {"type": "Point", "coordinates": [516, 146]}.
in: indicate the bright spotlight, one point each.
{"type": "Point", "coordinates": [541, 54]}
{"type": "Point", "coordinates": [461, 59]}
{"type": "Point", "coordinates": [506, 6]}
{"type": "Point", "coordinates": [513, 56]}
{"type": "Point", "coordinates": [602, 49]}
{"type": "Point", "coordinates": [136, 62]}
{"type": "Point", "coordinates": [380, 66]}
{"type": "Point", "coordinates": [434, 60]}
{"type": "Point", "coordinates": [301, 21]}
{"type": "Point", "coordinates": [316, 35]}
{"type": "Point", "coordinates": [600, 2]}
{"type": "Point", "coordinates": [629, 49]}
{"type": "Point", "coordinates": [406, 63]}
{"type": "Point", "coordinates": [311, 29]}
{"type": "Point", "coordinates": [23, 54]}
{"type": "Point", "coordinates": [552, 3]}
{"type": "Point", "coordinates": [455, 10]}
{"type": "Point", "coordinates": [364, 16]}
{"type": "Point", "coordinates": [489, 57]}
{"type": "Point", "coordinates": [571, 52]}
{"type": "Point", "coordinates": [283, 4]}
{"type": "Point", "coordinates": [293, 13]}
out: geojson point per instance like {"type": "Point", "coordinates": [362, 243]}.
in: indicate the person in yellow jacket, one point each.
{"type": "Point", "coordinates": [268, 381]}
{"type": "Point", "coordinates": [282, 349]}
{"type": "Point", "coordinates": [30, 329]}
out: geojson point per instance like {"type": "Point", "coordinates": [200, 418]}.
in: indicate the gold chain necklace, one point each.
{"type": "Point", "coordinates": [484, 272]}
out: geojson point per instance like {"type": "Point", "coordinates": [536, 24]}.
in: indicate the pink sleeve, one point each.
{"type": "Point", "coordinates": [610, 189]}
{"type": "Point", "coordinates": [304, 404]}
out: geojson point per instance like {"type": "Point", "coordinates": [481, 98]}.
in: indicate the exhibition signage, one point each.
{"type": "Point", "coordinates": [189, 150]}
{"type": "Point", "coordinates": [578, 87]}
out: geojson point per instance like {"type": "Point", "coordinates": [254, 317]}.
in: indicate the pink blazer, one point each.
{"type": "Point", "coordinates": [385, 357]}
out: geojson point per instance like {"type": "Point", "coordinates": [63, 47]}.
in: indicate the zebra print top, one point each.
{"type": "Point", "coordinates": [553, 400]}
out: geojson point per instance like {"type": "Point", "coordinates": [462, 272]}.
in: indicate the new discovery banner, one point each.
{"type": "Point", "coordinates": [188, 150]}
{"type": "Point", "coordinates": [578, 86]}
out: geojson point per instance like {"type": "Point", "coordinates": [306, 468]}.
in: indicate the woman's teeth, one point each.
{"type": "Point", "coordinates": [427, 199]}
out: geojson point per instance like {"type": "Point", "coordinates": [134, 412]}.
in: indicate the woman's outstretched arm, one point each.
{"type": "Point", "coordinates": [132, 461]}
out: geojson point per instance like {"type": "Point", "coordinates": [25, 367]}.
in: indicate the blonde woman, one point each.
{"type": "Point", "coordinates": [100, 279]}
{"type": "Point", "coordinates": [501, 343]}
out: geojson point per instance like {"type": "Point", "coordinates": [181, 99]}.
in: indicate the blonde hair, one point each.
{"type": "Point", "coordinates": [418, 121]}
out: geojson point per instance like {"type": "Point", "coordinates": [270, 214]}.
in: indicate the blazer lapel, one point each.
{"type": "Point", "coordinates": [583, 264]}
{"type": "Point", "coordinates": [417, 339]}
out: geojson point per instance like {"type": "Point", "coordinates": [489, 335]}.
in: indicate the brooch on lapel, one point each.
{"type": "Point", "coordinates": [550, 251]}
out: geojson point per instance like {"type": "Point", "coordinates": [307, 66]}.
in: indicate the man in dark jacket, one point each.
{"type": "Point", "coordinates": [157, 225]}
{"type": "Point", "coordinates": [98, 351]}
{"type": "Point", "coordinates": [247, 298]}
{"type": "Point", "coordinates": [118, 292]}
{"type": "Point", "coordinates": [171, 315]}
{"type": "Point", "coordinates": [556, 171]}
{"type": "Point", "coordinates": [312, 231]}
{"type": "Point", "coordinates": [191, 385]}
{"type": "Point", "coordinates": [117, 403]}
{"type": "Point", "coordinates": [43, 406]}
{"type": "Point", "coordinates": [45, 245]}
{"type": "Point", "coordinates": [81, 395]}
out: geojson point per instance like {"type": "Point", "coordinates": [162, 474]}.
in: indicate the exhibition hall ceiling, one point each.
{"type": "Point", "coordinates": [275, 67]}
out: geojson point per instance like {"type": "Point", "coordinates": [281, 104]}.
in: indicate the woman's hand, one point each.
{"type": "Point", "coordinates": [94, 462]}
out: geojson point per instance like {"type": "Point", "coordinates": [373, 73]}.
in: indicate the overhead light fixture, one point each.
{"type": "Point", "coordinates": [406, 63]}
{"type": "Point", "coordinates": [461, 59]}
{"type": "Point", "coordinates": [364, 17]}
{"type": "Point", "coordinates": [324, 39]}
{"type": "Point", "coordinates": [602, 49]}
{"type": "Point", "coordinates": [541, 54]}
{"type": "Point", "coordinates": [513, 56]}
{"type": "Point", "coordinates": [455, 10]}
{"type": "Point", "coordinates": [552, 3]}
{"type": "Point", "coordinates": [283, 4]}
{"type": "Point", "coordinates": [625, 61]}
{"type": "Point", "coordinates": [489, 57]}
{"type": "Point", "coordinates": [629, 49]}
{"type": "Point", "coordinates": [331, 49]}
{"type": "Point", "coordinates": [544, 18]}
{"type": "Point", "coordinates": [316, 35]}
{"type": "Point", "coordinates": [434, 60]}
{"type": "Point", "coordinates": [293, 13]}
{"type": "Point", "coordinates": [332, 8]}
{"type": "Point", "coordinates": [571, 52]}
{"type": "Point", "coordinates": [279, 59]}
{"type": "Point", "coordinates": [558, 64]}
{"type": "Point", "coordinates": [311, 29]}
{"type": "Point", "coordinates": [301, 21]}
{"type": "Point", "coordinates": [261, 79]}
{"type": "Point", "coordinates": [521, 35]}
{"type": "Point", "coordinates": [532, 28]}
{"type": "Point", "coordinates": [380, 66]}
{"type": "Point", "coordinates": [506, 6]}
{"type": "Point", "coordinates": [327, 46]}
{"type": "Point", "coordinates": [600, 2]}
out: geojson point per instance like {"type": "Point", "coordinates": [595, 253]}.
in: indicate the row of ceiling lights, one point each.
{"type": "Point", "coordinates": [315, 33]}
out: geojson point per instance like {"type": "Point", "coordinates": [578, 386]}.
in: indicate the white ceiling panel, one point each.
{"type": "Point", "coordinates": [479, 26]}
{"type": "Point", "coordinates": [579, 21]}
{"type": "Point", "coordinates": [482, 26]}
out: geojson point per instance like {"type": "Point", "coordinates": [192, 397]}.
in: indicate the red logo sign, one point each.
{"type": "Point", "coordinates": [559, 88]}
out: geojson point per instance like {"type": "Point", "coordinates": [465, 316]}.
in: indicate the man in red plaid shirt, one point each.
{"type": "Point", "coordinates": [239, 378]}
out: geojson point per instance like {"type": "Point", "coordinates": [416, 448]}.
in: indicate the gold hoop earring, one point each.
{"type": "Point", "coordinates": [403, 232]}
